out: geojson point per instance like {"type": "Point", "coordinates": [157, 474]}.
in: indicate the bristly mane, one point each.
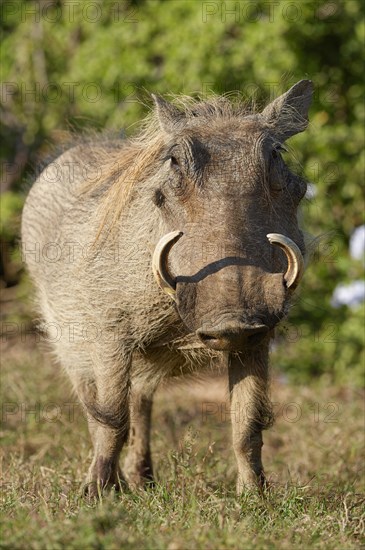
{"type": "Point", "coordinates": [137, 159]}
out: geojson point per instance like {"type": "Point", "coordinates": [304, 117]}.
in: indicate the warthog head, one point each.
{"type": "Point", "coordinates": [233, 252]}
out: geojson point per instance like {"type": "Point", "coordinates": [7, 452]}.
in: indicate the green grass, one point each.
{"type": "Point", "coordinates": [312, 456]}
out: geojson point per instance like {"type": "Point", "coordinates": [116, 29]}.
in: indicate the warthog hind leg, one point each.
{"type": "Point", "coordinates": [138, 464]}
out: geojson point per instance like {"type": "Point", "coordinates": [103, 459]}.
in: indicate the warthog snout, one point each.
{"type": "Point", "coordinates": [251, 299]}
{"type": "Point", "coordinates": [232, 335]}
{"type": "Point", "coordinates": [167, 282]}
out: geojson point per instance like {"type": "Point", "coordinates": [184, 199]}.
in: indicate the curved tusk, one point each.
{"type": "Point", "coordinates": [295, 258]}
{"type": "Point", "coordinates": [159, 262]}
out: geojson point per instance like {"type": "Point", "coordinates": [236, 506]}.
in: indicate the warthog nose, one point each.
{"type": "Point", "coordinates": [232, 336]}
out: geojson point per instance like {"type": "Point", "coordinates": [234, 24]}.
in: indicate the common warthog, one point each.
{"type": "Point", "coordinates": [202, 202]}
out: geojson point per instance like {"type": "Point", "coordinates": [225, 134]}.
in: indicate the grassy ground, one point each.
{"type": "Point", "coordinates": [313, 456]}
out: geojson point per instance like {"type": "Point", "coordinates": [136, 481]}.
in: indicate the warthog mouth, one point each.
{"type": "Point", "coordinates": [233, 336]}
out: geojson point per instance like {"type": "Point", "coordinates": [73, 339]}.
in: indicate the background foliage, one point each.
{"type": "Point", "coordinates": [71, 65]}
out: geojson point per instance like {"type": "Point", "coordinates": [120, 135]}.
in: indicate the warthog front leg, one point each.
{"type": "Point", "coordinates": [104, 472]}
{"type": "Point", "coordinates": [106, 400]}
{"type": "Point", "coordinates": [250, 413]}
{"type": "Point", "coordinates": [138, 464]}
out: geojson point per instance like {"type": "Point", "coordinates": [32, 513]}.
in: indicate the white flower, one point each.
{"type": "Point", "coordinates": [357, 243]}
{"type": "Point", "coordinates": [311, 191]}
{"type": "Point", "coordinates": [350, 295]}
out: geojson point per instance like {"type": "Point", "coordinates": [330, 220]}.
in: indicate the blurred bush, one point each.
{"type": "Point", "coordinates": [69, 65]}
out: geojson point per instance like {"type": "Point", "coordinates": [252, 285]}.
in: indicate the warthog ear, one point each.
{"type": "Point", "coordinates": [169, 116]}
{"type": "Point", "coordinates": [288, 114]}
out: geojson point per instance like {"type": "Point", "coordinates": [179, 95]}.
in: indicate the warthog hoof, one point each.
{"type": "Point", "coordinates": [103, 476]}
{"type": "Point", "coordinates": [139, 474]}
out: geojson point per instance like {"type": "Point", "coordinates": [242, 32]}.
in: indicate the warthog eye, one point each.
{"type": "Point", "coordinates": [174, 162]}
{"type": "Point", "coordinates": [158, 198]}
{"type": "Point", "coordinates": [278, 148]}
{"type": "Point", "coordinates": [278, 169]}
